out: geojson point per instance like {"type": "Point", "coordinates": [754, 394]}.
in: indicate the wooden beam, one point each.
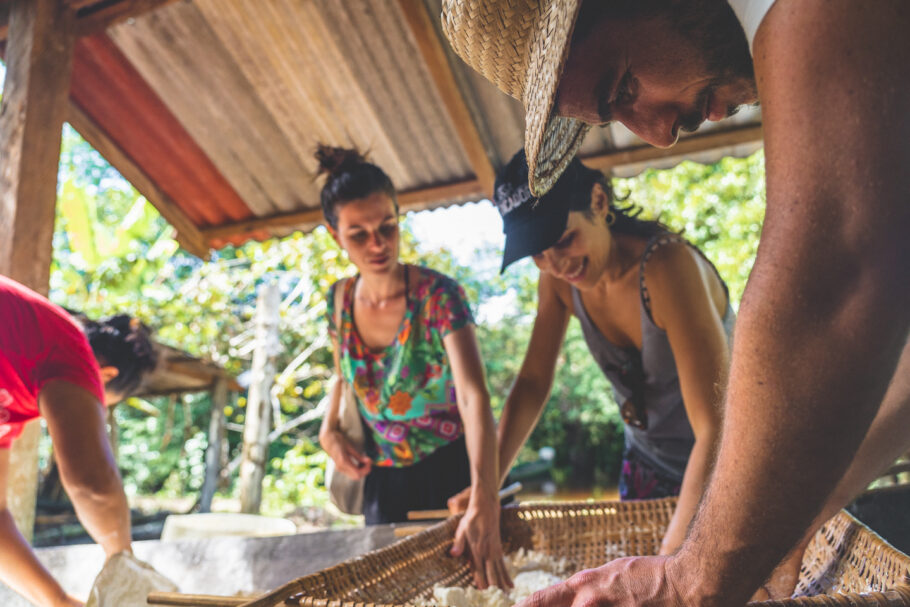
{"type": "Point", "coordinates": [93, 16]}
{"type": "Point", "coordinates": [188, 235]}
{"type": "Point", "coordinates": [99, 16]}
{"type": "Point", "coordinates": [686, 146]}
{"type": "Point", "coordinates": [431, 49]}
{"type": "Point", "coordinates": [39, 55]}
{"type": "Point", "coordinates": [412, 200]}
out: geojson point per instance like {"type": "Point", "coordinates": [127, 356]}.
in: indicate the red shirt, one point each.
{"type": "Point", "coordinates": [39, 342]}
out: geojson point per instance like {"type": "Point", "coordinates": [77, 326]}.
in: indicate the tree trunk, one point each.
{"type": "Point", "coordinates": [258, 408]}
{"type": "Point", "coordinates": [39, 58]}
{"type": "Point", "coordinates": [219, 397]}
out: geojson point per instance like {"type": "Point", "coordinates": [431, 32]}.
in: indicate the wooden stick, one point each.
{"type": "Point", "coordinates": [425, 515]}
{"type": "Point", "coordinates": [195, 600]}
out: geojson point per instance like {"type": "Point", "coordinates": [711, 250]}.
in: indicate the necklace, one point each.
{"type": "Point", "coordinates": [382, 302]}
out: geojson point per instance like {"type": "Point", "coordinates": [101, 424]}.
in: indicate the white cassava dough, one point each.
{"type": "Point", "coordinates": [531, 571]}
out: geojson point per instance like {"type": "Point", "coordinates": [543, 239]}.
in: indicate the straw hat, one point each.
{"type": "Point", "coordinates": [521, 46]}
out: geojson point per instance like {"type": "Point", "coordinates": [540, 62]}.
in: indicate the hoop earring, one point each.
{"type": "Point", "coordinates": [611, 218]}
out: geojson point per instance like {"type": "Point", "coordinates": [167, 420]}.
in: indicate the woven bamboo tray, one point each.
{"type": "Point", "coordinates": [845, 565]}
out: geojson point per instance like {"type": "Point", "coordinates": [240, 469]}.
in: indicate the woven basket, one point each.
{"type": "Point", "coordinates": [845, 565]}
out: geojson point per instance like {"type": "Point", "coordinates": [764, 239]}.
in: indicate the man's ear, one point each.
{"type": "Point", "coordinates": [108, 373]}
{"type": "Point", "coordinates": [600, 201]}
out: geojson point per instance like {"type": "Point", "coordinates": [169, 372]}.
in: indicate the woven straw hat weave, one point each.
{"type": "Point", "coordinates": [521, 47]}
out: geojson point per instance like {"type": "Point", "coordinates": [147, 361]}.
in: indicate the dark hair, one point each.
{"type": "Point", "coordinates": [574, 187]}
{"type": "Point", "coordinates": [122, 342]}
{"type": "Point", "coordinates": [349, 177]}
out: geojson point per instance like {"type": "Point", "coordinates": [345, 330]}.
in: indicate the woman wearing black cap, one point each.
{"type": "Point", "coordinates": [655, 315]}
{"type": "Point", "coordinates": [65, 368]}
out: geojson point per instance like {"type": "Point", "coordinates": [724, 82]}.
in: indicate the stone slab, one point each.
{"type": "Point", "coordinates": [225, 566]}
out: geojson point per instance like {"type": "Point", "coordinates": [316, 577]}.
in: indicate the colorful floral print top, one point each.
{"type": "Point", "coordinates": [405, 392]}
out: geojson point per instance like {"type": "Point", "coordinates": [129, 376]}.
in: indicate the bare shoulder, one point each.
{"type": "Point", "coordinates": [679, 280]}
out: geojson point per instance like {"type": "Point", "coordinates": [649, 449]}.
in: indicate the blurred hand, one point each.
{"type": "Point", "coordinates": [458, 503]}
{"type": "Point", "coordinates": [478, 535]}
{"type": "Point", "coordinates": [349, 460]}
{"type": "Point", "coordinates": [69, 601]}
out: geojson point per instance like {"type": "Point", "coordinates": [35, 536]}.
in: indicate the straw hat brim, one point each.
{"type": "Point", "coordinates": [550, 141]}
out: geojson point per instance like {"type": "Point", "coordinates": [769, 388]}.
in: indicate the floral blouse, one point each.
{"type": "Point", "coordinates": [405, 392]}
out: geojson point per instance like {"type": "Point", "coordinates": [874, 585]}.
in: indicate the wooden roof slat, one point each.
{"type": "Point", "coordinates": [430, 47]}
{"type": "Point", "coordinates": [188, 235]}
{"type": "Point", "coordinates": [415, 200]}
{"type": "Point", "coordinates": [93, 16]}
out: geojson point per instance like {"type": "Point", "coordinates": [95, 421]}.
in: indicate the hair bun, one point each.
{"type": "Point", "coordinates": [334, 161]}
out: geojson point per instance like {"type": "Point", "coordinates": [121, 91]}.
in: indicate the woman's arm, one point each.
{"type": "Point", "coordinates": [682, 305]}
{"type": "Point", "coordinates": [349, 460]}
{"type": "Point", "coordinates": [479, 528]}
{"type": "Point", "coordinates": [20, 569]}
{"type": "Point", "coordinates": [529, 393]}
{"type": "Point", "coordinates": [76, 424]}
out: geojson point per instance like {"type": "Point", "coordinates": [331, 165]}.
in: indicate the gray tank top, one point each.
{"type": "Point", "coordinates": [668, 439]}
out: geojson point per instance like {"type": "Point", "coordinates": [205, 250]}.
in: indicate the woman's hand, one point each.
{"type": "Point", "coordinates": [458, 503]}
{"type": "Point", "coordinates": [478, 534]}
{"type": "Point", "coordinates": [349, 460]}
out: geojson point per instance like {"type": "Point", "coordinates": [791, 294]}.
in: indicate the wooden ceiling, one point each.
{"type": "Point", "coordinates": [212, 109]}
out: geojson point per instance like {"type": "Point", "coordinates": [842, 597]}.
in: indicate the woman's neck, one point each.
{"type": "Point", "coordinates": [621, 257]}
{"type": "Point", "coordinates": [378, 290]}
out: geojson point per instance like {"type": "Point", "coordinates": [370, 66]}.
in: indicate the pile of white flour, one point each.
{"type": "Point", "coordinates": [530, 571]}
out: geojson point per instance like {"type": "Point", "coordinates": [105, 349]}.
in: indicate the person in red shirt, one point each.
{"type": "Point", "coordinates": [65, 368]}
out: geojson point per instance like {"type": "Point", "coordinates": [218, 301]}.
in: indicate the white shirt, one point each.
{"type": "Point", "coordinates": [750, 14]}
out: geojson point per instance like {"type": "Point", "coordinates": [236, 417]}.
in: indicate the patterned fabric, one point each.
{"type": "Point", "coordinates": [641, 480]}
{"type": "Point", "coordinates": [405, 392]}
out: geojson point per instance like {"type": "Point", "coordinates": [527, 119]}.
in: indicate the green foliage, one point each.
{"type": "Point", "coordinates": [114, 253]}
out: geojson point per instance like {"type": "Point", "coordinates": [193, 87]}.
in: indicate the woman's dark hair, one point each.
{"type": "Point", "coordinates": [574, 188]}
{"type": "Point", "coordinates": [348, 177]}
{"type": "Point", "coordinates": [122, 342]}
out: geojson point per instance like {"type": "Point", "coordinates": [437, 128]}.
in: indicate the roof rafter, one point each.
{"type": "Point", "coordinates": [188, 235]}
{"type": "Point", "coordinates": [414, 200]}
{"type": "Point", "coordinates": [93, 16]}
{"type": "Point", "coordinates": [685, 146]}
{"type": "Point", "coordinates": [433, 54]}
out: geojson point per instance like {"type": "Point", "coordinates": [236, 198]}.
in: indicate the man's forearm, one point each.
{"type": "Point", "coordinates": [801, 396]}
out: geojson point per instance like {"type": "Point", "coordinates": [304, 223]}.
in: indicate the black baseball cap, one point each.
{"type": "Point", "coordinates": [533, 224]}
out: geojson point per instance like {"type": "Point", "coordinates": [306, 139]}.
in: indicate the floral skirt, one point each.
{"type": "Point", "coordinates": [641, 480]}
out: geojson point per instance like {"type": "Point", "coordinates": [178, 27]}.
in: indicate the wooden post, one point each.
{"type": "Point", "coordinates": [39, 55]}
{"type": "Point", "coordinates": [258, 408]}
{"type": "Point", "coordinates": [219, 397]}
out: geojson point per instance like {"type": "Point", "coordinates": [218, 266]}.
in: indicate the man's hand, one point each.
{"type": "Point", "coordinates": [349, 460]}
{"type": "Point", "coordinates": [638, 581]}
{"type": "Point", "coordinates": [478, 534]}
{"type": "Point", "coordinates": [458, 503]}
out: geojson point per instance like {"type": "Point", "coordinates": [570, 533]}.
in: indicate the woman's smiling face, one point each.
{"type": "Point", "coordinates": [581, 254]}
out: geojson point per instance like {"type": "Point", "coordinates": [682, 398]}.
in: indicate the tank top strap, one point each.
{"type": "Point", "coordinates": [656, 241]}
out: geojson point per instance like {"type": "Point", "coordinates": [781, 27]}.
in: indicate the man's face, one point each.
{"type": "Point", "coordinates": [647, 75]}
